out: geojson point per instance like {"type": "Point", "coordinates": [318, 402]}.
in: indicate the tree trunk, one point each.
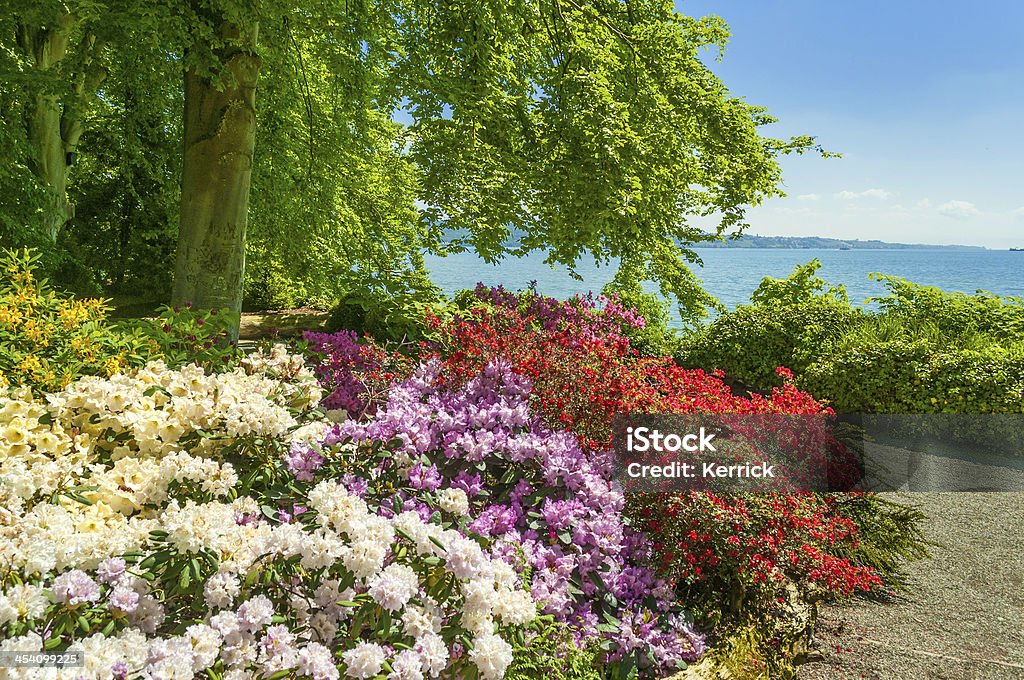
{"type": "Point", "coordinates": [219, 135]}
{"type": "Point", "coordinates": [46, 47]}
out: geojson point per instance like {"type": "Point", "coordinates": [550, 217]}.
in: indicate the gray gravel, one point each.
{"type": "Point", "coordinates": [962, 616]}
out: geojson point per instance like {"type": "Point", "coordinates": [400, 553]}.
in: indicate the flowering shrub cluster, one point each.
{"type": "Point", "coordinates": [544, 501]}
{"type": "Point", "coordinates": [584, 371]}
{"type": "Point", "coordinates": [48, 338]}
{"type": "Point", "coordinates": [757, 541]}
{"type": "Point", "coordinates": [572, 364]}
{"type": "Point", "coordinates": [582, 366]}
{"type": "Point", "coordinates": [208, 520]}
{"type": "Point", "coordinates": [176, 523]}
{"type": "Point", "coordinates": [356, 375]}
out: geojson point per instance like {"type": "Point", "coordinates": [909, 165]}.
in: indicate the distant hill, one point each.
{"type": "Point", "coordinates": [809, 242]}
{"type": "Point", "coordinates": [780, 242]}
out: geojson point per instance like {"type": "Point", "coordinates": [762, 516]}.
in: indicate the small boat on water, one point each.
{"type": "Point", "coordinates": [1017, 250]}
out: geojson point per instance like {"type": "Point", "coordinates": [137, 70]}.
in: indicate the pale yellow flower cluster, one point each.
{"type": "Point", "coordinates": [151, 409]}
{"type": "Point", "coordinates": [82, 474]}
{"type": "Point", "coordinates": [38, 454]}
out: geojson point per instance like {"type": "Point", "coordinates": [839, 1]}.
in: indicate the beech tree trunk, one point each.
{"type": "Point", "coordinates": [220, 136]}
{"type": "Point", "coordinates": [43, 122]}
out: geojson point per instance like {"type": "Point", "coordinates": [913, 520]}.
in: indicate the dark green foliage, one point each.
{"type": "Point", "coordinates": [126, 181]}
{"type": "Point", "coordinates": [389, 309]}
{"type": "Point", "coordinates": [553, 653]}
{"type": "Point", "coordinates": [925, 351]}
{"type": "Point", "coordinates": [891, 535]}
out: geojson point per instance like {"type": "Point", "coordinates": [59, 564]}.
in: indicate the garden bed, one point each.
{"type": "Point", "coordinates": [443, 509]}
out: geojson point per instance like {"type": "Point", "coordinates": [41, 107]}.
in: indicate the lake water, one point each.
{"type": "Point", "coordinates": [731, 274]}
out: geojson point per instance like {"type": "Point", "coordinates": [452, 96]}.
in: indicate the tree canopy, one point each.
{"type": "Point", "coordinates": [339, 141]}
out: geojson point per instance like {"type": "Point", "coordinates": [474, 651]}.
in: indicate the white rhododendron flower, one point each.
{"type": "Point", "coordinates": [454, 501]}
{"type": "Point", "coordinates": [492, 656]}
{"type": "Point", "coordinates": [364, 660]}
{"type": "Point", "coordinates": [137, 500]}
{"type": "Point", "coordinates": [394, 586]}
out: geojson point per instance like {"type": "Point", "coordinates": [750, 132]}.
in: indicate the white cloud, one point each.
{"type": "Point", "coordinates": [867, 193]}
{"type": "Point", "coordinates": [960, 210]}
{"type": "Point", "coordinates": [923, 204]}
{"type": "Point", "coordinates": [808, 197]}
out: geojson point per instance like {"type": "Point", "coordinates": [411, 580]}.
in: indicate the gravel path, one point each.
{"type": "Point", "coordinates": [962, 616]}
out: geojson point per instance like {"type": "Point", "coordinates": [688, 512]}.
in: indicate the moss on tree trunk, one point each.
{"type": "Point", "coordinates": [219, 136]}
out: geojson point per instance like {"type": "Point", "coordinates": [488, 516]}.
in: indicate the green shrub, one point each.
{"type": "Point", "coordinates": [392, 310]}
{"type": "Point", "coordinates": [925, 351]}
{"type": "Point", "coordinates": [918, 376]}
{"type": "Point", "coordinates": [552, 652]}
{"type": "Point", "coordinates": [183, 335]}
{"type": "Point", "coordinates": [954, 314]}
{"type": "Point", "coordinates": [787, 323]}
{"type": "Point", "coordinates": [269, 287]}
{"type": "Point", "coordinates": [802, 285]}
{"type": "Point", "coordinates": [748, 344]}
{"type": "Point", "coordinates": [890, 535]}
{"type": "Point", "coordinates": [49, 338]}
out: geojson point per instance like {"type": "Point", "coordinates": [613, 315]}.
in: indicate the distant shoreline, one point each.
{"type": "Point", "coordinates": [821, 243]}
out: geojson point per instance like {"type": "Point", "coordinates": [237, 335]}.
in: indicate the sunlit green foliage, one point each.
{"type": "Point", "coordinates": [922, 351]}
{"type": "Point", "coordinates": [388, 129]}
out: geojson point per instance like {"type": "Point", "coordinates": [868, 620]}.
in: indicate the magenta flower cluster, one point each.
{"type": "Point", "coordinates": [341, 359]}
{"type": "Point", "coordinates": [588, 316]}
{"type": "Point", "coordinates": [544, 503]}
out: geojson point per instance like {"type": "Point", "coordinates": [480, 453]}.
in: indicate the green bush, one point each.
{"type": "Point", "coordinates": [269, 287]}
{"type": "Point", "coordinates": [917, 376]}
{"type": "Point", "coordinates": [749, 343]}
{"type": "Point", "coordinates": [954, 314]}
{"type": "Point", "coordinates": [924, 351]}
{"type": "Point", "coordinates": [890, 535]}
{"type": "Point", "coordinates": [49, 338]}
{"type": "Point", "coordinates": [183, 335]}
{"type": "Point", "coordinates": [786, 324]}
{"type": "Point", "coordinates": [553, 653]}
{"type": "Point", "coordinates": [392, 309]}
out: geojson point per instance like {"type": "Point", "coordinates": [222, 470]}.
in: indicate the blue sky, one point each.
{"type": "Point", "coordinates": [925, 100]}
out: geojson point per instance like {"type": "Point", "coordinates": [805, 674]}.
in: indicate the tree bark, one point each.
{"type": "Point", "coordinates": [219, 136]}
{"type": "Point", "coordinates": [47, 47]}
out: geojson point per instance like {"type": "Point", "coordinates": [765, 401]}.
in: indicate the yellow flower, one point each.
{"type": "Point", "coordinates": [30, 364]}
{"type": "Point", "coordinates": [71, 314]}
{"type": "Point", "coordinates": [10, 315]}
{"type": "Point", "coordinates": [112, 365]}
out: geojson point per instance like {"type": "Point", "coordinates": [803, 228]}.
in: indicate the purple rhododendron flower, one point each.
{"type": "Point", "coordinates": [303, 460]}
{"type": "Point", "coordinates": [558, 508]}
{"type": "Point", "coordinates": [75, 587]}
{"type": "Point", "coordinates": [425, 477]}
